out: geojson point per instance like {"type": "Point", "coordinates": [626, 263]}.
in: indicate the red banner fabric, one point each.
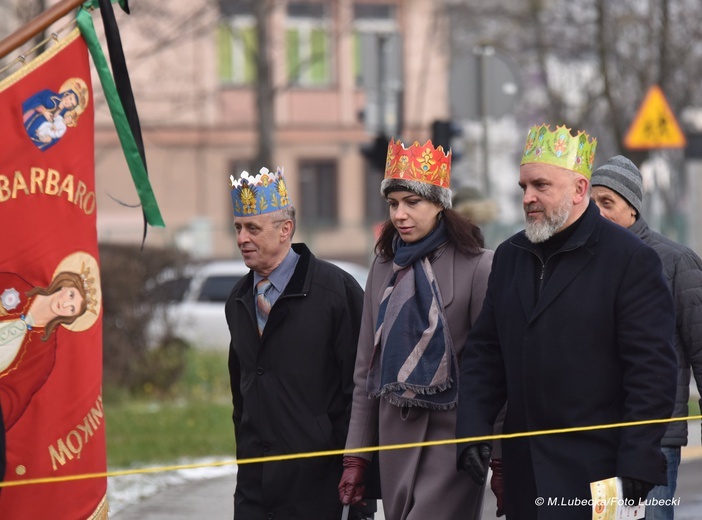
{"type": "Point", "coordinates": [50, 296]}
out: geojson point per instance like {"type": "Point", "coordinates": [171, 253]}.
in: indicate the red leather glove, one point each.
{"type": "Point", "coordinates": [351, 485]}
{"type": "Point", "coordinates": [496, 484]}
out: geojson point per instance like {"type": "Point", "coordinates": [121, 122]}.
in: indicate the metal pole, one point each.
{"type": "Point", "coordinates": [483, 52]}
{"type": "Point", "coordinates": [37, 25]}
{"type": "Point", "coordinates": [381, 83]}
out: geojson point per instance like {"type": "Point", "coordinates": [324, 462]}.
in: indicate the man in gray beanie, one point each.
{"type": "Point", "coordinates": [617, 189]}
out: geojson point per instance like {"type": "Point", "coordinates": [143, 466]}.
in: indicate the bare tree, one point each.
{"type": "Point", "coordinates": [265, 92]}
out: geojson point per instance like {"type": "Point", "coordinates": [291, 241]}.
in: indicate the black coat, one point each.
{"type": "Point", "coordinates": [683, 272]}
{"type": "Point", "coordinates": [593, 348]}
{"type": "Point", "coordinates": [292, 390]}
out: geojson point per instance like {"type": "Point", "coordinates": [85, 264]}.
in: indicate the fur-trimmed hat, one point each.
{"type": "Point", "coordinates": [622, 176]}
{"type": "Point", "coordinates": [423, 170]}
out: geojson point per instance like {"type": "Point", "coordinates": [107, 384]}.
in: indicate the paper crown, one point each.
{"type": "Point", "coordinates": [560, 148]}
{"type": "Point", "coordinates": [422, 169]}
{"type": "Point", "coordinates": [255, 195]}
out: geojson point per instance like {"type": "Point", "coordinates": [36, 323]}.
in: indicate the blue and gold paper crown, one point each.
{"type": "Point", "coordinates": [560, 148]}
{"type": "Point", "coordinates": [255, 195]}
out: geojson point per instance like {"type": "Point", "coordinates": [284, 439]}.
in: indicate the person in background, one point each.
{"type": "Point", "coordinates": [425, 289]}
{"type": "Point", "coordinates": [617, 189]}
{"type": "Point", "coordinates": [575, 331]}
{"type": "Point", "coordinates": [294, 322]}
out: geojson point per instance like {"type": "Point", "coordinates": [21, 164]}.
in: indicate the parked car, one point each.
{"type": "Point", "coordinates": [189, 302]}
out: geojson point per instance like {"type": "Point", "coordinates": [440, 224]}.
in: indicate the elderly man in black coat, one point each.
{"type": "Point", "coordinates": [575, 331]}
{"type": "Point", "coordinates": [294, 323]}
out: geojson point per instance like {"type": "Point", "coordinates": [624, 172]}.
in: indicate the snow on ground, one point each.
{"type": "Point", "coordinates": [124, 490]}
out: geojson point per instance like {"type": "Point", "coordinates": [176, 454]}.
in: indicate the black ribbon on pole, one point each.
{"type": "Point", "coordinates": [121, 77]}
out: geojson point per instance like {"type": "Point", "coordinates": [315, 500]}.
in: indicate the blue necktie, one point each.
{"type": "Point", "coordinates": [263, 304]}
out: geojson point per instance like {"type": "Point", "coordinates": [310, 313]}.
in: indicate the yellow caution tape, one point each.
{"type": "Point", "coordinates": [369, 449]}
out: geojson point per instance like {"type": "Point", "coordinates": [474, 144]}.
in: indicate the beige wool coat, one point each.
{"type": "Point", "coordinates": [419, 483]}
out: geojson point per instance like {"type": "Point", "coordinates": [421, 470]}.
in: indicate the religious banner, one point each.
{"type": "Point", "coordinates": [53, 426]}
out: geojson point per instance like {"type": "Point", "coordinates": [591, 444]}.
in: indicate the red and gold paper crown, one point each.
{"type": "Point", "coordinates": [560, 148]}
{"type": "Point", "coordinates": [420, 168]}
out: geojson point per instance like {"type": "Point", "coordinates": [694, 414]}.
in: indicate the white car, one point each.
{"type": "Point", "coordinates": [192, 301]}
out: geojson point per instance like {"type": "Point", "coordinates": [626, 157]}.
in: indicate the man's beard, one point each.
{"type": "Point", "coordinates": [542, 230]}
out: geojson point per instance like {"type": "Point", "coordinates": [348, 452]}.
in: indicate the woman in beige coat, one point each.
{"type": "Point", "coordinates": [424, 291]}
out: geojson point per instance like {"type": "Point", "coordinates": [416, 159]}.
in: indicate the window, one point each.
{"type": "Point", "coordinates": [378, 66]}
{"type": "Point", "coordinates": [236, 43]}
{"type": "Point", "coordinates": [308, 44]}
{"type": "Point", "coordinates": [370, 22]}
{"type": "Point", "coordinates": [318, 189]}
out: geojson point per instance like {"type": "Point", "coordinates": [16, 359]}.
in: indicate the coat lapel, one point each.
{"type": "Point", "coordinates": [576, 253]}
{"type": "Point", "coordinates": [443, 271]}
{"type": "Point", "coordinates": [573, 258]}
{"type": "Point", "coordinates": [525, 276]}
{"type": "Point", "coordinates": [568, 268]}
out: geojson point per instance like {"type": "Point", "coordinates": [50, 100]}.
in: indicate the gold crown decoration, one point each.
{"type": "Point", "coordinates": [263, 193]}
{"type": "Point", "coordinates": [420, 168]}
{"type": "Point", "coordinates": [560, 148]}
{"type": "Point", "coordinates": [91, 299]}
{"type": "Point", "coordinates": [80, 88]}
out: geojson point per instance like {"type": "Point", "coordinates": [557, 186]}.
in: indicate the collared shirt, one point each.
{"type": "Point", "coordinates": [279, 277]}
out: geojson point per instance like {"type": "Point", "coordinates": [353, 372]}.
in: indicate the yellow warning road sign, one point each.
{"type": "Point", "coordinates": [655, 125]}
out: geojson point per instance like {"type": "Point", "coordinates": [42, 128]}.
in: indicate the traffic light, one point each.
{"type": "Point", "coordinates": [442, 134]}
{"type": "Point", "coordinates": [376, 153]}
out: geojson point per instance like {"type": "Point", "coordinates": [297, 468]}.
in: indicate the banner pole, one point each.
{"type": "Point", "coordinates": [37, 25]}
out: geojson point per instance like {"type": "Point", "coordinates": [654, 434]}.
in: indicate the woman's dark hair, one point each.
{"type": "Point", "coordinates": [462, 233]}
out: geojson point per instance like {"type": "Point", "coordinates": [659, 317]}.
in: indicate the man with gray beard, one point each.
{"type": "Point", "coordinates": [575, 333]}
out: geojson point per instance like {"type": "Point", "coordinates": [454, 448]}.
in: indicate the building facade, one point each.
{"type": "Point", "coordinates": [343, 71]}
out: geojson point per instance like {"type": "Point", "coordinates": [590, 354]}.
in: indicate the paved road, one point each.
{"type": "Point", "coordinates": [212, 498]}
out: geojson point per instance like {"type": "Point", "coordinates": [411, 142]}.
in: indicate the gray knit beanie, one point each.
{"type": "Point", "coordinates": [621, 175]}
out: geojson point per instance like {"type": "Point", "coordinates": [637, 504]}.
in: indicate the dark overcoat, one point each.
{"type": "Point", "coordinates": [292, 390]}
{"type": "Point", "coordinates": [593, 348]}
{"type": "Point", "coordinates": [683, 272]}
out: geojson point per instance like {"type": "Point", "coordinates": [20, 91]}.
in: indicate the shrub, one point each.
{"type": "Point", "coordinates": [127, 360]}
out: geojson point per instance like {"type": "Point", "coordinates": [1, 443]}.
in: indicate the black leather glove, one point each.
{"type": "Point", "coordinates": [474, 460]}
{"type": "Point", "coordinates": [634, 489]}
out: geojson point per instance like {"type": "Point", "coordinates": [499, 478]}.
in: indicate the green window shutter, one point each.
{"type": "Point", "coordinates": [319, 72]}
{"type": "Point", "coordinates": [356, 58]}
{"type": "Point", "coordinates": [248, 37]}
{"type": "Point", "coordinates": [224, 53]}
{"type": "Point", "coordinates": [293, 50]}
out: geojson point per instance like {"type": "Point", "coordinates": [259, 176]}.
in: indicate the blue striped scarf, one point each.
{"type": "Point", "coordinates": [413, 361]}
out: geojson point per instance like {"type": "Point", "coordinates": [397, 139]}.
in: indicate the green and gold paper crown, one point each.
{"type": "Point", "coordinates": [560, 148]}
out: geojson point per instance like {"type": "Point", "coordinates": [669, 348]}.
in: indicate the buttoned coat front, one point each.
{"type": "Point", "coordinates": [419, 483]}
{"type": "Point", "coordinates": [593, 348]}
